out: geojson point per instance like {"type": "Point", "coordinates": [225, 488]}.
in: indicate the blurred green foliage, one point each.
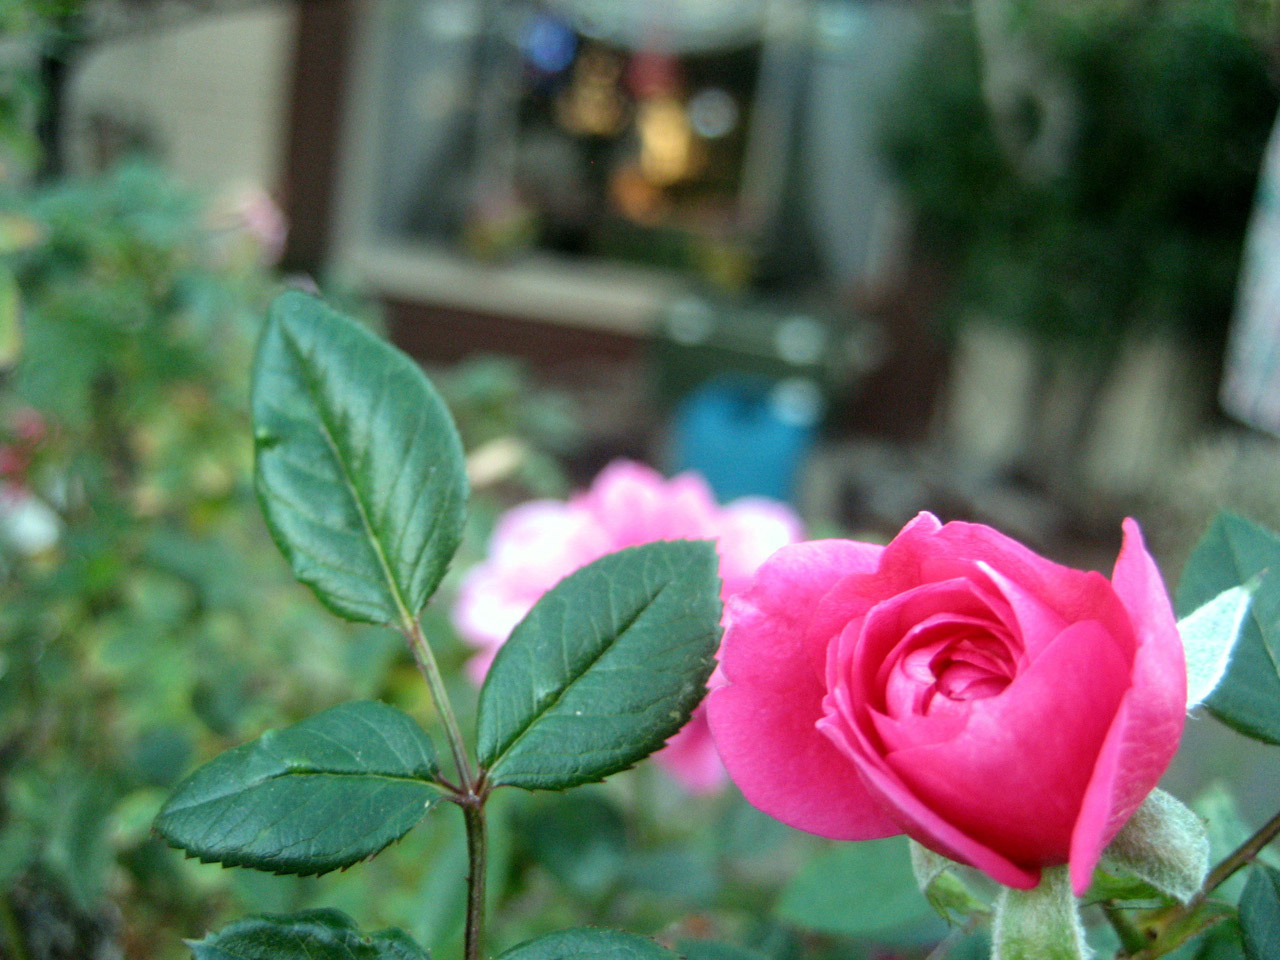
{"type": "Point", "coordinates": [1142, 228]}
{"type": "Point", "coordinates": [145, 617]}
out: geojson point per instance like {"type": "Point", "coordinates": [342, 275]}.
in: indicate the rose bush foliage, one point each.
{"type": "Point", "coordinates": [1004, 711]}
{"type": "Point", "coordinates": [538, 543]}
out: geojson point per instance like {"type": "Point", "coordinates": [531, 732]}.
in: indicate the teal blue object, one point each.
{"type": "Point", "coordinates": [748, 436]}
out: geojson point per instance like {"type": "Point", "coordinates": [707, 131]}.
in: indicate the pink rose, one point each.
{"type": "Point", "coordinates": [537, 544]}
{"type": "Point", "coordinates": [1000, 709]}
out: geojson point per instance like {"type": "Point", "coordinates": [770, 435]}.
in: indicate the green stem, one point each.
{"type": "Point", "coordinates": [474, 813]}
{"type": "Point", "coordinates": [1131, 938]}
{"type": "Point", "coordinates": [430, 669]}
{"type": "Point", "coordinates": [471, 792]}
{"type": "Point", "coordinates": [1242, 856]}
{"type": "Point", "coordinates": [954, 936]}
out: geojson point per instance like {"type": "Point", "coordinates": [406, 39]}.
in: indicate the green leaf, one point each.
{"type": "Point", "coordinates": [1039, 924]}
{"type": "Point", "coordinates": [322, 794]}
{"type": "Point", "coordinates": [311, 935]}
{"type": "Point", "coordinates": [607, 666]}
{"type": "Point", "coordinates": [359, 468]}
{"type": "Point", "coordinates": [1260, 913]}
{"type": "Point", "coordinates": [856, 889]}
{"type": "Point", "coordinates": [589, 944]}
{"type": "Point", "coordinates": [581, 840]}
{"type": "Point", "coordinates": [1232, 553]}
{"type": "Point", "coordinates": [1210, 634]}
{"type": "Point", "coordinates": [1165, 844]}
{"type": "Point", "coordinates": [715, 950]}
{"type": "Point", "coordinates": [676, 871]}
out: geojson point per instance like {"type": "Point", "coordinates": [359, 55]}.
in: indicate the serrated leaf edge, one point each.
{"type": "Point", "coordinates": [492, 769]}
{"type": "Point", "coordinates": [277, 317]}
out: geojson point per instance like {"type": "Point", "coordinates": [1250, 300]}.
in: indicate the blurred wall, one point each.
{"type": "Point", "coordinates": [207, 93]}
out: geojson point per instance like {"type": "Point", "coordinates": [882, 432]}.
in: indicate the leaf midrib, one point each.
{"type": "Point", "coordinates": [311, 382]}
{"type": "Point", "coordinates": [260, 781]}
{"type": "Point", "coordinates": [565, 688]}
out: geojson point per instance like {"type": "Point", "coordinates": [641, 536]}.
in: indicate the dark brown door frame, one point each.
{"type": "Point", "coordinates": [321, 76]}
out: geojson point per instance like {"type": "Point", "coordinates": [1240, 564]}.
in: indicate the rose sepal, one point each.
{"type": "Point", "coordinates": [1042, 923]}
{"type": "Point", "coordinates": [1209, 637]}
{"type": "Point", "coordinates": [942, 886]}
{"type": "Point", "coordinates": [1164, 844]}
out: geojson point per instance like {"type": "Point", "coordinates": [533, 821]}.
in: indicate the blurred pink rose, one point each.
{"type": "Point", "coordinates": [248, 211]}
{"type": "Point", "coordinates": [1000, 709]}
{"type": "Point", "coordinates": [537, 544]}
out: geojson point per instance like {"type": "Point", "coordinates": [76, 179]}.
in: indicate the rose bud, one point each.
{"type": "Point", "coordinates": [1002, 710]}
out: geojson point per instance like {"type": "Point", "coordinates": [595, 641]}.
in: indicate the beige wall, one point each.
{"type": "Point", "coordinates": [210, 91]}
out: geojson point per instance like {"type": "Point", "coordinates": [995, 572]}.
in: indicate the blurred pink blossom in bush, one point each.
{"type": "Point", "coordinates": [248, 212]}
{"type": "Point", "coordinates": [537, 544]}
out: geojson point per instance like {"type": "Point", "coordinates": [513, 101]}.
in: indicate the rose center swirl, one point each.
{"type": "Point", "coordinates": [958, 659]}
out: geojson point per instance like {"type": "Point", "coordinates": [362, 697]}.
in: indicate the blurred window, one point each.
{"type": "Point", "coordinates": [602, 127]}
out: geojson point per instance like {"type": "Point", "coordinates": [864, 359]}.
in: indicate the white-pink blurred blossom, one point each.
{"type": "Point", "coordinates": [537, 544]}
{"type": "Point", "coordinates": [248, 212]}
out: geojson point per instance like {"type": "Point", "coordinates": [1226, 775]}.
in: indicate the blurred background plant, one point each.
{"type": "Point", "coordinates": [1140, 226]}
{"type": "Point", "coordinates": [1149, 140]}
{"type": "Point", "coordinates": [147, 622]}
{"type": "Point", "coordinates": [146, 618]}
{"type": "Point", "coordinates": [143, 621]}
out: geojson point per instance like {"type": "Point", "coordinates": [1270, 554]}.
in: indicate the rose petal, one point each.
{"type": "Point", "coordinates": [918, 821]}
{"type": "Point", "coordinates": [1146, 729]}
{"type": "Point", "coordinates": [542, 540]}
{"type": "Point", "coordinates": [1072, 594]}
{"type": "Point", "coordinates": [869, 650]}
{"type": "Point", "coordinates": [764, 720]}
{"type": "Point", "coordinates": [487, 609]}
{"type": "Point", "coordinates": [861, 589]}
{"type": "Point", "coordinates": [477, 668]}
{"type": "Point", "coordinates": [1030, 619]}
{"type": "Point", "coordinates": [900, 564]}
{"type": "Point", "coordinates": [533, 546]}
{"type": "Point", "coordinates": [1015, 777]}
{"type": "Point", "coordinates": [690, 756]}
{"type": "Point", "coordinates": [635, 504]}
{"type": "Point", "coordinates": [1094, 822]}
